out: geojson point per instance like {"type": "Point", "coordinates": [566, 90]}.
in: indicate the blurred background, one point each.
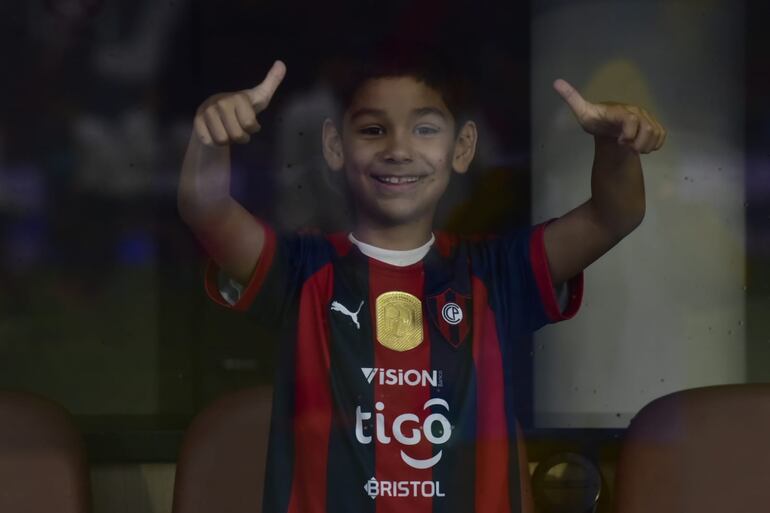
{"type": "Point", "coordinates": [102, 307]}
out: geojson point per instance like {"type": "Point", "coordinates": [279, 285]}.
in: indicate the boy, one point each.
{"type": "Point", "coordinates": [392, 391]}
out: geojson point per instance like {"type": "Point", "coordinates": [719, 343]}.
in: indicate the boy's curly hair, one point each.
{"type": "Point", "coordinates": [428, 63]}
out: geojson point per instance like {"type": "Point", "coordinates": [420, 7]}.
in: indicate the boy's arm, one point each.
{"type": "Point", "coordinates": [621, 133]}
{"type": "Point", "coordinates": [231, 235]}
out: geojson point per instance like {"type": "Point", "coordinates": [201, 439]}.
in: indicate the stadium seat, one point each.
{"type": "Point", "coordinates": [701, 450]}
{"type": "Point", "coordinates": [43, 463]}
{"type": "Point", "coordinates": [221, 465]}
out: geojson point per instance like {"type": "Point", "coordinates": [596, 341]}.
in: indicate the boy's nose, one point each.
{"type": "Point", "coordinates": [398, 150]}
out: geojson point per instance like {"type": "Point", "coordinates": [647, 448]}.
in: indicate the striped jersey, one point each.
{"type": "Point", "coordinates": [394, 389]}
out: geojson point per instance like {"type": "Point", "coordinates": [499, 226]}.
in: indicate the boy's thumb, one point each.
{"type": "Point", "coordinates": [261, 94]}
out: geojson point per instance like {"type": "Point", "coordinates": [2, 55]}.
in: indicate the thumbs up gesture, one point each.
{"type": "Point", "coordinates": [629, 125]}
{"type": "Point", "coordinates": [230, 117]}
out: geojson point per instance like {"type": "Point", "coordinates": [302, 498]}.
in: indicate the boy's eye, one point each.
{"type": "Point", "coordinates": [426, 130]}
{"type": "Point", "coordinates": [370, 130]}
{"type": "Point", "coordinates": [377, 130]}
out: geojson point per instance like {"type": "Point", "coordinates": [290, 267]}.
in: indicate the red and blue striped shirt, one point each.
{"type": "Point", "coordinates": [360, 427]}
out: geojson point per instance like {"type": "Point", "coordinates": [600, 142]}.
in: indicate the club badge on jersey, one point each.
{"type": "Point", "coordinates": [452, 314]}
{"type": "Point", "coordinates": [399, 320]}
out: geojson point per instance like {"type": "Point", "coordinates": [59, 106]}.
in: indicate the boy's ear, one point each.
{"type": "Point", "coordinates": [465, 147]}
{"type": "Point", "coordinates": [332, 146]}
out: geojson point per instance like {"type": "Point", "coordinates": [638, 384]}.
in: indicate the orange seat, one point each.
{"type": "Point", "coordinates": [43, 463]}
{"type": "Point", "coordinates": [221, 466]}
{"type": "Point", "coordinates": [702, 450]}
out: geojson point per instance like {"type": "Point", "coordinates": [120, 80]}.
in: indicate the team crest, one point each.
{"type": "Point", "coordinates": [452, 314]}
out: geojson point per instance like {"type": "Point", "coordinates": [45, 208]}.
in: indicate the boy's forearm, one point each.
{"type": "Point", "coordinates": [233, 238]}
{"type": "Point", "coordinates": [617, 186]}
{"type": "Point", "coordinates": [204, 184]}
{"type": "Point", "coordinates": [622, 133]}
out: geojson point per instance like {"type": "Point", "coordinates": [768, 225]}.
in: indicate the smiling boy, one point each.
{"type": "Point", "coordinates": [393, 390]}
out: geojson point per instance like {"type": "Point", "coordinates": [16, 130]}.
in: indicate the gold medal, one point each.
{"type": "Point", "coordinates": [399, 320]}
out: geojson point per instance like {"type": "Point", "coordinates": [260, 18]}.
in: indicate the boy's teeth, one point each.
{"type": "Point", "coordinates": [397, 179]}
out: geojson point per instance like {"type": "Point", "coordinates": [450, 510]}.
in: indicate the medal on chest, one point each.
{"type": "Point", "coordinates": [399, 320]}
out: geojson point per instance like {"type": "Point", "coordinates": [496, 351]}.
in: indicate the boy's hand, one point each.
{"type": "Point", "coordinates": [630, 125]}
{"type": "Point", "coordinates": [225, 118]}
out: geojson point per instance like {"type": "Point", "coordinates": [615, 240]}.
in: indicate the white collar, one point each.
{"type": "Point", "coordinates": [395, 257]}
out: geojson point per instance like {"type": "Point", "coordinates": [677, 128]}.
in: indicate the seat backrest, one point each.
{"type": "Point", "coordinates": [221, 465]}
{"type": "Point", "coordinates": [701, 450]}
{"type": "Point", "coordinates": [43, 462]}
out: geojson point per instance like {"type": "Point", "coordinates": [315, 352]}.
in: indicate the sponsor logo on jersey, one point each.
{"type": "Point", "coordinates": [408, 377]}
{"type": "Point", "coordinates": [407, 430]}
{"type": "Point", "coordinates": [375, 488]}
{"type": "Point", "coordinates": [336, 306]}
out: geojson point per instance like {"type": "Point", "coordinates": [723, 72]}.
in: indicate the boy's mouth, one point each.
{"type": "Point", "coordinates": [396, 180]}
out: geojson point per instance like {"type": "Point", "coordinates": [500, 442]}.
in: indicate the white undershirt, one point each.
{"type": "Point", "coordinates": [397, 257]}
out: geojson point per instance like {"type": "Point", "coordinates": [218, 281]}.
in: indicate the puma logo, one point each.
{"type": "Point", "coordinates": [339, 307]}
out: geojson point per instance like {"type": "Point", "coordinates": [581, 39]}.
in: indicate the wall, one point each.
{"type": "Point", "coordinates": [663, 310]}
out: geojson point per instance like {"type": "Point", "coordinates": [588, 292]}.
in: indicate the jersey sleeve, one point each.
{"type": "Point", "coordinates": [274, 285]}
{"type": "Point", "coordinates": [523, 284]}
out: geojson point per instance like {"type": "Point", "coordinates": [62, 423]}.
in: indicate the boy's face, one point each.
{"type": "Point", "coordinates": [398, 149]}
